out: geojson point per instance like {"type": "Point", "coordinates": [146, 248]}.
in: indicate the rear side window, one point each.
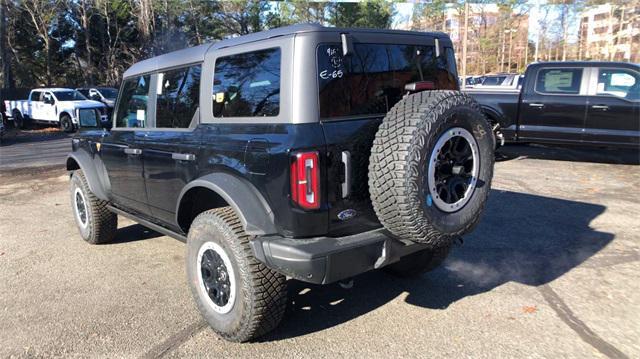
{"type": "Point", "coordinates": [372, 80]}
{"type": "Point", "coordinates": [132, 106]}
{"type": "Point", "coordinates": [559, 81]}
{"type": "Point", "coordinates": [178, 94]}
{"type": "Point", "coordinates": [493, 80]}
{"type": "Point", "coordinates": [35, 96]}
{"type": "Point", "coordinates": [247, 85]}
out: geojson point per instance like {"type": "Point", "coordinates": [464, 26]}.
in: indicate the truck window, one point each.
{"type": "Point", "coordinates": [177, 101]}
{"type": "Point", "coordinates": [132, 106]}
{"type": "Point", "coordinates": [247, 85]}
{"type": "Point", "coordinates": [559, 81]}
{"type": "Point", "coordinates": [35, 95]}
{"type": "Point", "coordinates": [71, 95]}
{"type": "Point", "coordinates": [372, 80]}
{"type": "Point", "coordinates": [619, 82]}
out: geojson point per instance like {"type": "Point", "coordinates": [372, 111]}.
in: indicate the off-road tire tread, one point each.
{"type": "Point", "coordinates": [394, 161]}
{"type": "Point", "coordinates": [268, 294]}
{"type": "Point", "coordinates": [105, 223]}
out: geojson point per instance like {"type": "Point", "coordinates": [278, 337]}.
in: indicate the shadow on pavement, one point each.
{"type": "Point", "coordinates": [522, 238]}
{"type": "Point", "coordinates": [569, 153]}
{"type": "Point", "coordinates": [132, 233]}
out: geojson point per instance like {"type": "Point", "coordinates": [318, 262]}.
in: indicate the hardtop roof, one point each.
{"type": "Point", "coordinates": [196, 54]}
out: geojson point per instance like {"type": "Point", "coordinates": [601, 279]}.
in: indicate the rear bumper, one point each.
{"type": "Point", "coordinates": [324, 260]}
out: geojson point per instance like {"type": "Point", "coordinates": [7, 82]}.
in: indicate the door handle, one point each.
{"type": "Point", "coordinates": [346, 184]}
{"type": "Point", "coordinates": [183, 156]}
{"type": "Point", "coordinates": [600, 107]}
{"type": "Point", "coordinates": [536, 105]}
{"type": "Point", "coordinates": [133, 151]}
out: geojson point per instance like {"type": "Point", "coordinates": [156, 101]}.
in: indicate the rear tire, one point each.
{"type": "Point", "coordinates": [238, 296]}
{"type": "Point", "coordinates": [66, 124]}
{"type": "Point", "coordinates": [19, 120]}
{"type": "Point", "coordinates": [416, 264]}
{"type": "Point", "coordinates": [96, 223]}
{"type": "Point", "coordinates": [431, 167]}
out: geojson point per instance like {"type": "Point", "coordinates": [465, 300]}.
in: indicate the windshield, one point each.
{"type": "Point", "coordinates": [109, 93]}
{"type": "Point", "coordinates": [69, 95]}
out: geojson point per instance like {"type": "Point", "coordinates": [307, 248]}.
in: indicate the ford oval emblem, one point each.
{"type": "Point", "coordinates": [347, 214]}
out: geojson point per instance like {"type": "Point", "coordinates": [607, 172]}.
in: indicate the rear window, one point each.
{"type": "Point", "coordinates": [247, 85]}
{"type": "Point", "coordinates": [559, 81]}
{"type": "Point", "coordinates": [372, 80]}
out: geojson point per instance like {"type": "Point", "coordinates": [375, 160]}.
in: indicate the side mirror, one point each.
{"type": "Point", "coordinates": [49, 101]}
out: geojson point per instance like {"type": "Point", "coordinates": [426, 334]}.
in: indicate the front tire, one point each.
{"type": "Point", "coordinates": [238, 296]}
{"type": "Point", "coordinates": [94, 220]}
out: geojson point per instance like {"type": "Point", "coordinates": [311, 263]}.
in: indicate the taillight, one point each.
{"type": "Point", "coordinates": [305, 180]}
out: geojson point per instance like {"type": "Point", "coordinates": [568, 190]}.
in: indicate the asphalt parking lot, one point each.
{"type": "Point", "coordinates": [551, 271]}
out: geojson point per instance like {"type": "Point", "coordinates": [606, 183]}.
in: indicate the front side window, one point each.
{"type": "Point", "coordinates": [619, 82]}
{"type": "Point", "coordinates": [247, 85]}
{"type": "Point", "coordinates": [47, 97]}
{"type": "Point", "coordinates": [178, 94]}
{"type": "Point", "coordinates": [559, 81]}
{"type": "Point", "coordinates": [132, 107]}
{"type": "Point", "coordinates": [372, 80]}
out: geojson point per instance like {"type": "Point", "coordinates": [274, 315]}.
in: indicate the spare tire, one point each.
{"type": "Point", "coordinates": [431, 166]}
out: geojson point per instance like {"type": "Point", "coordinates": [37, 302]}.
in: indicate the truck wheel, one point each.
{"type": "Point", "coordinates": [431, 166]}
{"type": "Point", "coordinates": [419, 263]}
{"type": "Point", "coordinates": [66, 124]}
{"type": "Point", "coordinates": [18, 120]}
{"type": "Point", "coordinates": [96, 223]}
{"type": "Point", "coordinates": [238, 296]}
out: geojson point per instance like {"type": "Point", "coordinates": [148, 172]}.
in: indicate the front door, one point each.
{"type": "Point", "coordinates": [613, 115]}
{"type": "Point", "coordinates": [121, 149]}
{"type": "Point", "coordinates": [48, 111]}
{"type": "Point", "coordinates": [172, 144]}
{"type": "Point", "coordinates": [553, 108]}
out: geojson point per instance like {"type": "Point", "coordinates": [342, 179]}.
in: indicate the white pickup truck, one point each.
{"type": "Point", "coordinates": [62, 106]}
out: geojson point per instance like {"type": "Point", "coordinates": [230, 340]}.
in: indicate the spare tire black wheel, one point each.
{"type": "Point", "coordinates": [431, 166]}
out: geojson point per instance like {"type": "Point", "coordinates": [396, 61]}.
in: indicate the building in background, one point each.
{"type": "Point", "coordinates": [610, 32]}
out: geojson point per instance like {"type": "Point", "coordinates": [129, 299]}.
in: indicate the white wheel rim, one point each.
{"type": "Point", "coordinates": [217, 249]}
{"type": "Point", "coordinates": [435, 160]}
{"type": "Point", "coordinates": [80, 208]}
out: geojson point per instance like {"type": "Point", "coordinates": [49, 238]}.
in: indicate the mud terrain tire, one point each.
{"type": "Point", "coordinates": [238, 296]}
{"type": "Point", "coordinates": [95, 222]}
{"type": "Point", "coordinates": [420, 129]}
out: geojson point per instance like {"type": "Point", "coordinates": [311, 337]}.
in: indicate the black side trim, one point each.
{"type": "Point", "coordinates": [148, 224]}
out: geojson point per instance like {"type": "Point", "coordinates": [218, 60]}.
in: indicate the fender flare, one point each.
{"type": "Point", "coordinates": [491, 113]}
{"type": "Point", "coordinates": [86, 164]}
{"type": "Point", "coordinates": [253, 210]}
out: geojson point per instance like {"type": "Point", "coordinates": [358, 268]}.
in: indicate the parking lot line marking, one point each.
{"type": "Point", "coordinates": [569, 318]}
{"type": "Point", "coordinates": [175, 340]}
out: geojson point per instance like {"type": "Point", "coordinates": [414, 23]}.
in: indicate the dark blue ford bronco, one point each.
{"type": "Point", "coordinates": [305, 152]}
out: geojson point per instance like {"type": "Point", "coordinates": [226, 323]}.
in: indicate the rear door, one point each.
{"type": "Point", "coordinates": [35, 104]}
{"type": "Point", "coordinates": [355, 93]}
{"type": "Point", "coordinates": [171, 143]}
{"type": "Point", "coordinates": [554, 106]}
{"type": "Point", "coordinates": [613, 114]}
